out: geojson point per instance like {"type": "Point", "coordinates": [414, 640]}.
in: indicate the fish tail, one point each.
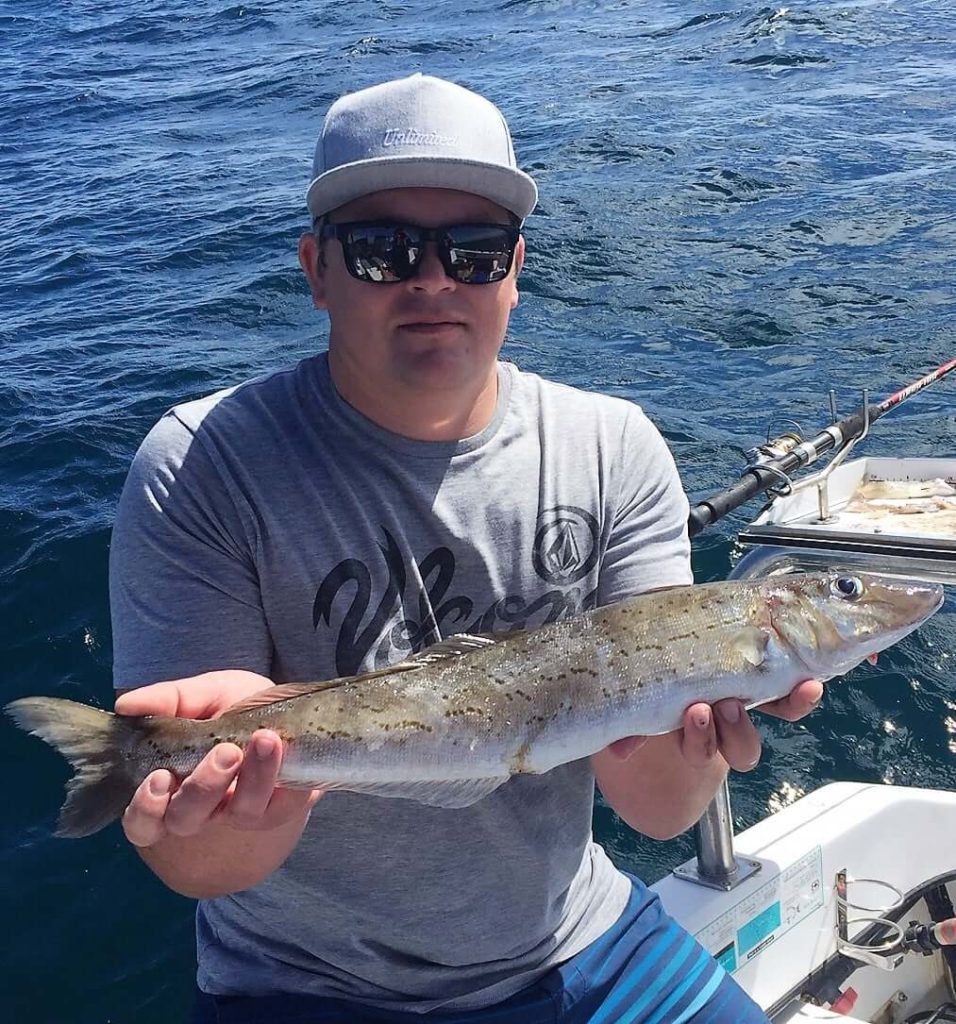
{"type": "Point", "coordinates": [93, 741]}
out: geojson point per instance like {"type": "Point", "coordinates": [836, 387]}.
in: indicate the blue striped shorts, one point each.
{"type": "Point", "coordinates": [644, 970]}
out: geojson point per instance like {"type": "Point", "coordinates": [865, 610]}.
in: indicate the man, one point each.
{"type": "Point", "coordinates": [329, 519]}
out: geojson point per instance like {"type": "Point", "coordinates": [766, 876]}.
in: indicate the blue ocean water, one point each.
{"type": "Point", "coordinates": [741, 207]}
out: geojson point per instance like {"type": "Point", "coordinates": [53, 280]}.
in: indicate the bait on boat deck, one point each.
{"type": "Point", "coordinates": [826, 910]}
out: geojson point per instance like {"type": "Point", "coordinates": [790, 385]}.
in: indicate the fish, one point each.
{"type": "Point", "coordinates": [902, 507]}
{"type": "Point", "coordinates": [450, 725]}
{"type": "Point", "coordinates": [904, 490]}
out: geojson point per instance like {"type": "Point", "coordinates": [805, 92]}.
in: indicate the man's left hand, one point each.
{"type": "Point", "coordinates": [726, 728]}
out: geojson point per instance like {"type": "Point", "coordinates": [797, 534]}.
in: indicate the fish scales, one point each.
{"type": "Point", "coordinates": [449, 726]}
{"type": "Point", "coordinates": [620, 669]}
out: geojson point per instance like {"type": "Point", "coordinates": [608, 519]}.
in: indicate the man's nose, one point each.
{"type": "Point", "coordinates": [431, 276]}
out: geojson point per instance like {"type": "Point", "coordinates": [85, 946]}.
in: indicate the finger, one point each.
{"type": "Point", "coordinates": [737, 736]}
{"type": "Point", "coordinates": [201, 792]}
{"type": "Point", "coordinates": [699, 741]}
{"type": "Point", "coordinates": [208, 695]}
{"type": "Point", "coordinates": [287, 804]}
{"type": "Point", "coordinates": [802, 699]}
{"type": "Point", "coordinates": [143, 818]}
{"type": "Point", "coordinates": [158, 699]}
{"type": "Point", "coordinates": [202, 696]}
{"type": "Point", "coordinates": [256, 782]}
{"type": "Point", "coordinates": [623, 748]}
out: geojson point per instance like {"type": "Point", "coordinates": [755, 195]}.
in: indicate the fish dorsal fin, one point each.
{"type": "Point", "coordinates": [750, 642]}
{"type": "Point", "coordinates": [433, 792]}
{"type": "Point", "coordinates": [284, 691]}
{"type": "Point", "coordinates": [451, 647]}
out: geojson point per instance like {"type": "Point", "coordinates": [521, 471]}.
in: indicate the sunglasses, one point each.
{"type": "Point", "coordinates": [381, 252]}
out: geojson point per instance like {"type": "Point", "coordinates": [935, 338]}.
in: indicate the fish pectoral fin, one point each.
{"type": "Point", "coordinates": [435, 793]}
{"type": "Point", "coordinates": [751, 643]}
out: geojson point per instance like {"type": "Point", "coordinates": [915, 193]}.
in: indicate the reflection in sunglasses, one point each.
{"type": "Point", "coordinates": [469, 253]}
{"type": "Point", "coordinates": [369, 268]}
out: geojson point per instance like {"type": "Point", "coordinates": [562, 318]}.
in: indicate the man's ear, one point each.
{"type": "Point", "coordinates": [518, 264]}
{"type": "Point", "coordinates": [313, 266]}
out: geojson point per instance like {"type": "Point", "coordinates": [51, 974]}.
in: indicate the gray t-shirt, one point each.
{"type": "Point", "coordinates": [272, 527]}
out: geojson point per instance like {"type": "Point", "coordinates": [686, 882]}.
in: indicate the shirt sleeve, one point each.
{"type": "Point", "coordinates": [648, 547]}
{"type": "Point", "coordinates": [184, 590]}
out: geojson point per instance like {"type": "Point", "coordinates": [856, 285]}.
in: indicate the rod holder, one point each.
{"type": "Point", "coordinates": [715, 865]}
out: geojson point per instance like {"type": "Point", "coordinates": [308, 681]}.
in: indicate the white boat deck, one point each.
{"type": "Point", "coordinates": [778, 926]}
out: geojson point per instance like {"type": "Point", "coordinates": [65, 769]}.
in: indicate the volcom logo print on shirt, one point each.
{"type": "Point", "coordinates": [399, 606]}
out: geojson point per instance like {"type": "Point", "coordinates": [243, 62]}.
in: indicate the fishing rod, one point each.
{"type": "Point", "coordinates": [773, 462]}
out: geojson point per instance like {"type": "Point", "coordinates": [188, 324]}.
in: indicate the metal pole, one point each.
{"type": "Point", "coordinates": [715, 840]}
{"type": "Point", "coordinates": [715, 864]}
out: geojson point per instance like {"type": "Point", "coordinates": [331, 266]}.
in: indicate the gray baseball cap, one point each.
{"type": "Point", "coordinates": [416, 132]}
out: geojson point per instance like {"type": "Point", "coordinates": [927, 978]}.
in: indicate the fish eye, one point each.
{"type": "Point", "coordinates": [850, 587]}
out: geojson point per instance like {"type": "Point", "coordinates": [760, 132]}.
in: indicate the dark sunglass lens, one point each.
{"type": "Point", "coordinates": [480, 254]}
{"type": "Point", "coordinates": [381, 253]}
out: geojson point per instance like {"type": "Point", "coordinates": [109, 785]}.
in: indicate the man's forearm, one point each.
{"type": "Point", "coordinates": [656, 791]}
{"type": "Point", "coordinates": [221, 859]}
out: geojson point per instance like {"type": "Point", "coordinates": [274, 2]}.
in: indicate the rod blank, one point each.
{"type": "Point", "coordinates": [763, 476]}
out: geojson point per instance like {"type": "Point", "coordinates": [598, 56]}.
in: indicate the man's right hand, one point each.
{"type": "Point", "coordinates": [229, 789]}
